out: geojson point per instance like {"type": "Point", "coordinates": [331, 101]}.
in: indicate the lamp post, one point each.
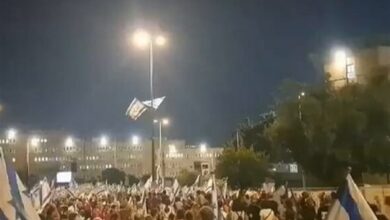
{"type": "Point", "coordinates": [143, 39]}
{"type": "Point", "coordinates": [161, 122]}
{"type": "Point", "coordinates": [300, 97]}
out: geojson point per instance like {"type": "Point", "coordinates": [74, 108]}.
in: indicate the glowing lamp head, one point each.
{"type": "Point", "coordinates": [141, 38]}
{"type": "Point", "coordinates": [172, 149]}
{"type": "Point", "coordinates": [135, 140]}
{"type": "Point", "coordinates": [340, 58]}
{"type": "Point", "coordinates": [160, 40]}
{"type": "Point", "coordinates": [11, 134]}
{"type": "Point", "coordinates": [34, 141]}
{"type": "Point", "coordinates": [69, 142]}
{"type": "Point", "coordinates": [103, 141]}
{"type": "Point", "coordinates": [165, 121]}
{"type": "Point", "coordinates": [203, 148]}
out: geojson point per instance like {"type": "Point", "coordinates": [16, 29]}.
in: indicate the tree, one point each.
{"type": "Point", "coordinates": [244, 168]}
{"type": "Point", "coordinates": [186, 178]}
{"type": "Point", "coordinates": [329, 129]}
{"type": "Point", "coordinates": [132, 179]}
{"type": "Point", "coordinates": [113, 175]}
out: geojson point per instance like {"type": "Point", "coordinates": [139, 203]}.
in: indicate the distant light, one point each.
{"type": "Point", "coordinates": [203, 148]}
{"type": "Point", "coordinates": [165, 121]}
{"type": "Point", "coordinates": [303, 94]}
{"type": "Point", "coordinates": [155, 121]}
{"type": "Point", "coordinates": [161, 40]}
{"type": "Point", "coordinates": [103, 141]}
{"type": "Point", "coordinates": [135, 140]}
{"type": "Point", "coordinates": [13, 159]}
{"type": "Point", "coordinates": [69, 142]}
{"type": "Point", "coordinates": [34, 141]}
{"type": "Point", "coordinates": [141, 38]}
{"type": "Point", "coordinates": [172, 149]}
{"type": "Point", "coordinates": [340, 58]}
{"type": "Point", "coordinates": [11, 134]}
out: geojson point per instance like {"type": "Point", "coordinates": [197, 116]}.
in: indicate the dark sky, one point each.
{"type": "Point", "coordinates": [66, 64]}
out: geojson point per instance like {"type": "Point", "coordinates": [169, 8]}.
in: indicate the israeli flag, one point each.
{"type": "Point", "coordinates": [14, 201]}
{"type": "Point", "coordinates": [350, 204]}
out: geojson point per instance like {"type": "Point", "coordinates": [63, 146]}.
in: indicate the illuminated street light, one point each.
{"type": "Point", "coordinates": [203, 148]}
{"type": "Point", "coordinates": [135, 140]}
{"type": "Point", "coordinates": [34, 141]}
{"type": "Point", "coordinates": [165, 121]}
{"type": "Point", "coordinates": [69, 142]}
{"type": "Point", "coordinates": [11, 134]}
{"type": "Point", "coordinates": [160, 40]}
{"type": "Point", "coordinates": [340, 58]}
{"type": "Point", "coordinates": [141, 38]}
{"type": "Point", "coordinates": [172, 149]}
{"type": "Point", "coordinates": [103, 141]}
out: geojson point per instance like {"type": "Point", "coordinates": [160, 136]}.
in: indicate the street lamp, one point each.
{"type": "Point", "coordinates": [203, 147]}
{"type": "Point", "coordinates": [142, 39]}
{"type": "Point", "coordinates": [11, 134]}
{"type": "Point", "coordinates": [135, 140]}
{"type": "Point", "coordinates": [161, 122]}
{"type": "Point", "coordinates": [344, 61]}
{"type": "Point", "coordinates": [103, 141]}
{"type": "Point", "coordinates": [69, 142]}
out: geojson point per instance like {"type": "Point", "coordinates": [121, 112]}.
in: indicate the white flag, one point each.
{"type": "Point", "coordinates": [156, 102]}
{"type": "Point", "coordinates": [136, 109]}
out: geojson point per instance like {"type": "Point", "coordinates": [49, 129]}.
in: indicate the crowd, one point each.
{"type": "Point", "coordinates": [249, 205]}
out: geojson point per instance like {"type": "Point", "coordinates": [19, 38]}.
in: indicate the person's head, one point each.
{"type": "Point", "coordinates": [52, 213]}
{"type": "Point", "coordinates": [72, 216]}
{"type": "Point", "coordinates": [114, 216]}
{"type": "Point", "coordinates": [188, 215]}
{"type": "Point", "coordinates": [180, 214]}
{"type": "Point", "coordinates": [153, 212]}
{"type": "Point", "coordinates": [206, 213]}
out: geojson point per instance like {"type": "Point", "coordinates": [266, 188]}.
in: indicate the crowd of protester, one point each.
{"type": "Point", "coordinates": [192, 206]}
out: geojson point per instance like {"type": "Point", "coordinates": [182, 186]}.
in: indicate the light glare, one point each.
{"type": "Point", "coordinates": [34, 141]}
{"type": "Point", "coordinates": [165, 121]}
{"type": "Point", "coordinates": [203, 148]}
{"type": "Point", "coordinates": [11, 134]}
{"type": "Point", "coordinates": [69, 142]}
{"type": "Point", "coordinates": [160, 40]}
{"type": "Point", "coordinates": [103, 141]}
{"type": "Point", "coordinates": [135, 140]}
{"type": "Point", "coordinates": [141, 38]}
{"type": "Point", "coordinates": [340, 58]}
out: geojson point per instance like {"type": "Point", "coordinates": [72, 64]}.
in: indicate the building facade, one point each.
{"type": "Point", "coordinates": [45, 153]}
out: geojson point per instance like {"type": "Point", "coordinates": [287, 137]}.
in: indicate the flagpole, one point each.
{"type": "Point", "coordinates": [152, 109]}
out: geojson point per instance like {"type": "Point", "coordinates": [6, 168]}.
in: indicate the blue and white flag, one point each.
{"type": "Point", "coordinates": [14, 201]}
{"type": "Point", "coordinates": [350, 204]}
{"type": "Point", "coordinates": [136, 109]}
{"type": "Point", "coordinates": [156, 102]}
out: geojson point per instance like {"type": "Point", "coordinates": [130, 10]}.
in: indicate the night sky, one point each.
{"type": "Point", "coordinates": [67, 64]}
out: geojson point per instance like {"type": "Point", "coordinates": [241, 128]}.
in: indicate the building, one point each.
{"type": "Point", "coordinates": [45, 153]}
{"type": "Point", "coordinates": [355, 63]}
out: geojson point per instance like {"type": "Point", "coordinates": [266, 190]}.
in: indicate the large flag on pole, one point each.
{"type": "Point", "coordinates": [14, 203]}
{"type": "Point", "coordinates": [136, 109]}
{"type": "Point", "coordinates": [350, 204]}
{"type": "Point", "coordinates": [156, 102]}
